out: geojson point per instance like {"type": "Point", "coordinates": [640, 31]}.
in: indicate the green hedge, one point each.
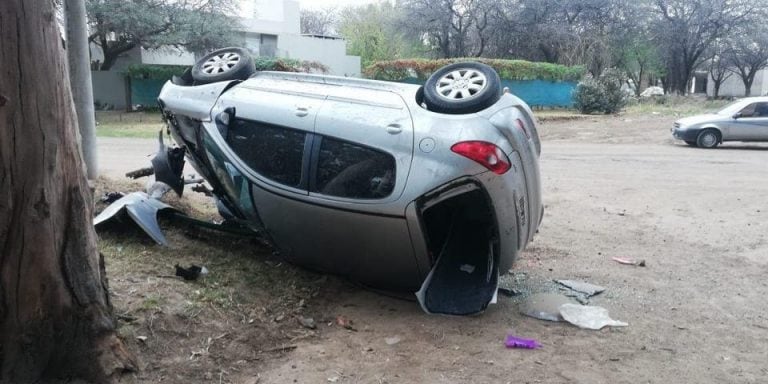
{"type": "Point", "coordinates": [397, 70]}
{"type": "Point", "coordinates": [288, 65]}
{"type": "Point", "coordinates": [165, 72]}
{"type": "Point", "coordinates": [154, 72]}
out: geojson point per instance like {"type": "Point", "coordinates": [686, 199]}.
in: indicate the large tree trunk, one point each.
{"type": "Point", "coordinates": [55, 314]}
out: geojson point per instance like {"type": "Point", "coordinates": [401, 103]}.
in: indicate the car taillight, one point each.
{"type": "Point", "coordinates": [521, 125]}
{"type": "Point", "coordinates": [487, 154]}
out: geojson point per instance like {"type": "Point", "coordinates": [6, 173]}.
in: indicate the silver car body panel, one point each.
{"type": "Point", "coordinates": [380, 239]}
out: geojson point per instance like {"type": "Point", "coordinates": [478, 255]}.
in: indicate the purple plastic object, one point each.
{"type": "Point", "coordinates": [519, 342]}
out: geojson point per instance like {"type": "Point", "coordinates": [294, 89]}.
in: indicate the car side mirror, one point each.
{"type": "Point", "coordinates": [736, 115]}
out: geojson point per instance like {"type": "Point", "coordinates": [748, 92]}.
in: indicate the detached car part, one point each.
{"type": "Point", "coordinates": [168, 165]}
{"type": "Point", "coordinates": [141, 209]}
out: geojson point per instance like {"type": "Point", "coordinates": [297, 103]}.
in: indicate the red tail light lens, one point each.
{"type": "Point", "coordinates": [487, 154]}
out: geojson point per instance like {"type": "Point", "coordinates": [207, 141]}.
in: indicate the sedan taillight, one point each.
{"type": "Point", "coordinates": [487, 154]}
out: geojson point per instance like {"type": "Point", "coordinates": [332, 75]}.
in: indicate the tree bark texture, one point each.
{"type": "Point", "coordinates": [55, 314]}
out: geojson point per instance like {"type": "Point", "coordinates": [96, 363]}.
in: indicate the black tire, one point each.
{"type": "Point", "coordinates": [691, 143]}
{"type": "Point", "coordinates": [708, 138]}
{"type": "Point", "coordinates": [223, 65]}
{"type": "Point", "coordinates": [463, 88]}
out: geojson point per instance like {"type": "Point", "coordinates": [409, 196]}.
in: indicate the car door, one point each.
{"type": "Point", "coordinates": [260, 156]}
{"type": "Point", "coordinates": [364, 149]}
{"type": "Point", "coordinates": [352, 223]}
{"type": "Point", "coordinates": [752, 124]}
{"type": "Point", "coordinates": [272, 127]}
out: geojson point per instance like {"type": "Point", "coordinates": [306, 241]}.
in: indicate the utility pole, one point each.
{"type": "Point", "coordinates": [79, 57]}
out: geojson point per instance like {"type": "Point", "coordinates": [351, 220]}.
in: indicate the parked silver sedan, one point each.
{"type": "Point", "coordinates": [397, 186]}
{"type": "Point", "coordinates": [743, 120]}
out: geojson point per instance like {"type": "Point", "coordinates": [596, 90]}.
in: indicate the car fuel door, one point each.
{"type": "Point", "coordinates": [363, 147]}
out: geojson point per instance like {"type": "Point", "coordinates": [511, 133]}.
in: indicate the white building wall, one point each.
{"type": "Point", "coordinates": [734, 87]}
{"type": "Point", "coordinates": [270, 16]}
{"type": "Point", "coordinates": [331, 52]}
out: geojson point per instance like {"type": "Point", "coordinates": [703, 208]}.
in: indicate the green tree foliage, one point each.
{"type": "Point", "coordinates": [640, 61]}
{"type": "Point", "coordinates": [371, 32]}
{"type": "Point", "coordinates": [602, 94]}
{"type": "Point", "coordinates": [117, 26]}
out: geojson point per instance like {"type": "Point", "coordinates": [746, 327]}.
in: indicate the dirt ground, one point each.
{"type": "Point", "coordinates": [613, 187]}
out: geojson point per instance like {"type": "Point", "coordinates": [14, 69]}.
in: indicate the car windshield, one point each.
{"type": "Point", "coordinates": [732, 108]}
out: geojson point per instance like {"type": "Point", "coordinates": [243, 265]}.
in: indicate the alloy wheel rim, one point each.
{"type": "Point", "coordinates": [461, 84]}
{"type": "Point", "coordinates": [221, 63]}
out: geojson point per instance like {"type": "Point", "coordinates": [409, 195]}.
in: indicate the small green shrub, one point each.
{"type": "Point", "coordinates": [588, 96]}
{"type": "Point", "coordinates": [603, 94]}
{"type": "Point", "coordinates": [614, 98]}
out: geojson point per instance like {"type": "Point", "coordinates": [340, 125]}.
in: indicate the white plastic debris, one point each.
{"type": "Point", "coordinates": [544, 306]}
{"type": "Point", "coordinates": [588, 317]}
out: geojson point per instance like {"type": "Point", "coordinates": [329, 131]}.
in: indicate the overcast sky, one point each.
{"type": "Point", "coordinates": [332, 3]}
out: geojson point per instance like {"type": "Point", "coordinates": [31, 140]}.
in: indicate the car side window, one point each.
{"type": "Point", "coordinates": [272, 151]}
{"type": "Point", "coordinates": [346, 169]}
{"type": "Point", "coordinates": [755, 110]}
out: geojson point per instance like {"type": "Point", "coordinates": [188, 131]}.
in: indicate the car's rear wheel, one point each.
{"type": "Point", "coordinates": [223, 65]}
{"type": "Point", "coordinates": [708, 138]}
{"type": "Point", "coordinates": [462, 88]}
{"type": "Point", "coordinates": [691, 143]}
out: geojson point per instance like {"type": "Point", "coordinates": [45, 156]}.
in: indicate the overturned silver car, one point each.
{"type": "Point", "coordinates": [396, 186]}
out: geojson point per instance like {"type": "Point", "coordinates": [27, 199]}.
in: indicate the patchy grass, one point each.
{"type": "Point", "coordinates": [668, 106]}
{"type": "Point", "coordinates": [247, 307]}
{"type": "Point", "coordinates": [124, 124]}
{"type": "Point", "coordinates": [672, 105]}
{"type": "Point", "coordinates": [547, 115]}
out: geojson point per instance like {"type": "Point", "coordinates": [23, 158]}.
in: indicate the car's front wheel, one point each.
{"type": "Point", "coordinates": [708, 138]}
{"type": "Point", "coordinates": [462, 88]}
{"type": "Point", "coordinates": [223, 65]}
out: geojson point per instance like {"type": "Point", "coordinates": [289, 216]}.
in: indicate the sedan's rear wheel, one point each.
{"type": "Point", "coordinates": [708, 138]}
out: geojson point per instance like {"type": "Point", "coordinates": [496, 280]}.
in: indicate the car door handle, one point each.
{"type": "Point", "coordinates": [394, 129]}
{"type": "Point", "coordinates": [302, 111]}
